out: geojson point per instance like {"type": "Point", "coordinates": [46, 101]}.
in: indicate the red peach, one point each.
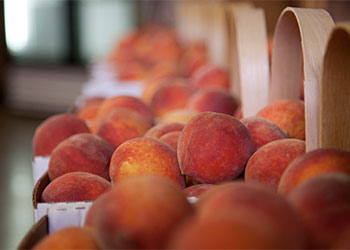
{"type": "Point", "coordinates": [178, 115]}
{"type": "Point", "coordinates": [140, 212]}
{"type": "Point", "coordinates": [171, 139]}
{"type": "Point", "coordinates": [215, 100]}
{"type": "Point", "coordinates": [209, 76]}
{"type": "Point", "coordinates": [75, 186]}
{"type": "Point", "coordinates": [262, 131]}
{"type": "Point", "coordinates": [323, 202]}
{"type": "Point", "coordinates": [288, 115]}
{"type": "Point", "coordinates": [214, 148]}
{"type": "Point", "coordinates": [267, 164]}
{"type": "Point", "coordinates": [161, 129]}
{"type": "Point", "coordinates": [145, 156]}
{"type": "Point", "coordinates": [311, 164]}
{"type": "Point", "coordinates": [55, 129]}
{"type": "Point", "coordinates": [121, 125]}
{"type": "Point", "coordinates": [83, 153]}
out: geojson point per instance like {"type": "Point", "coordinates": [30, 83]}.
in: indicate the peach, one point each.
{"type": "Point", "coordinates": [145, 156]}
{"type": "Point", "coordinates": [171, 96]}
{"type": "Point", "coordinates": [262, 131]}
{"type": "Point", "coordinates": [214, 147]}
{"type": "Point", "coordinates": [254, 204]}
{"type": "Point", "coordinates": [288, 115]}
{"type": "Point", "coordinates": [267, 164]}
{"type": "Point", "coordinates": [121, 125]}
{"type": "Point", "coordinates": [126, 102]}
{"type": "Point", "coordinates": [152, 85]}
{"type": "Point", "coordinates": [209, 76]}
{"type": "Point", "coordinates": [312, 164]}
{"type": "Point", "coordinates": [164, 69]}
{"type": "Point", "coordinates": [55, 129]}
{"type": "Point", "coordinates": [75, 186]}
{"type": "Point", "coordinates": [130, 71]}
{"type": "Point", "coordinates": [69, 238]}
{"type": "Point", "coordinates": [215, 100]}
{"type": "Point", "coordinates": [161, 129]}
{"type": "Point", "coordinates": [197, 189]}
{"type": "Point", "coordinates": [88, 111]}
{"type": "Point", "coordinates": [171, 139]}
{"type": "Point", "coordinates": [178, 115]}
{"type": "Point", "coordinates": [140, 212]}
{"type": "Point", "coordinates": [323, 202]}
{"type": "Point", "coordinates": [82, 152]}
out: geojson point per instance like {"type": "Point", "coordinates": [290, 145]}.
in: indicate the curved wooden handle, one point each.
{"type": "Point", "coordinates": [300, 41]}
{"type": "Point", "coordinates": [335, 92]}
{"type": "Point", "coordinates": [250, 59]}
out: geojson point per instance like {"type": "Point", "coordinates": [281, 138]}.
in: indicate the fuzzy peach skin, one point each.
{"type": "Point", "coordinates": [125, 102]}
{"type": "Point", "coordinates": [288, 115]}
{"type": "Point", "coordinates": [312, 164]}
{"type": "Point", "coordinates": [178, 115]}
{"type": "Point", "coordinates": [121, 125]}
{"type": "Point", "coordinates": [254, 202]}
{"type": "Point", "coordinates": [140, 212]}
{"type": "Point", "coordinates": [262, 131]}
{"type": "Point", "coordinates": [82, 152]}
{"type": "Point", "coordinates": [164, 69]}
{"type": "Point", "coordinates": [69, 238]}
{"type": "Point", "coordinates": [161, 129]}
{"type": "Point", "coordinates": [171, 96]}
{"type": "Point", "coordinates": [267, 165]}
{"type": "Point", "coordinates": [214, 148]}
{"type": "Point", "coordinates": [323, 203]}
{"type": "Point", "coordinates": [209, 76]}
{"type": "Point", "coordinates": [75, 186]}
{"type": "Point", "coordinates": [145, 156]}
{"type": "Point", "coordinates": [55, 129]}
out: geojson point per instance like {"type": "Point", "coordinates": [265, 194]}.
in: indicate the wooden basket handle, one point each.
{"type": "Point", "coordinates": [299, 45]}
{"type": "Point", "coordinates": [250, 62]}
{"type": "Point", "coordinates": [335, 91]}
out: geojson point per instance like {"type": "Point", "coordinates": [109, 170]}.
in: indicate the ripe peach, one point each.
{"type": "Point", "coordinates": [69, 238]}
{"type": "Point", "coordinates": [288, 115]}
{"type": "Point", "coordinates": [164, 69]}
{"type": "Point", "coordinates": [312, 164]}
{"type": "Point", "coordinates": [161, 129]}
{"type": "Point", "coordinates": [121, 125]}
{"type": "Point", "coordinates": [323, 202]}
{"type": "Point", "coordinates": [197, 189]}
{"type": "Point", "coordinates": [262, 131]}
{"type": "Point", "coordinates": [254, 204]}
{"type": "Point", "coordinates": [178, 115]}
{"type": "Point", "coordinates": [145, 156]}
{"type": "Point", "coordinates": [130, 71]}
{"type": "Point", "coordinates": [140, 212]}
{"type": "Point", "coordinates": [171, 96]}
{"type": "Point", "coordinates": [82, 152]}
{"type": "Point", "coordinates": [215, 100]}
{"type": "Point", "coordinates": [209, 76]}
{"type": "Point", "coordinates": [214, 147]}
{"type": "Point", "coordinates": [75, 186]}
{"type": "Point", "coordinates": [55, 129]}
{"type": "Point", "coordinates": [172, 139]}
{"type": "Point", "coordinates": [267, 164]}
{"type": "Point", "coordinates": [238, 113]}
{"type": "Point", "coordinates": [126, 102]}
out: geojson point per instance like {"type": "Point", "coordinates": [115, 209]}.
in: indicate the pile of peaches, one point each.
{"type": "Point", "coordinates": [178, 167]}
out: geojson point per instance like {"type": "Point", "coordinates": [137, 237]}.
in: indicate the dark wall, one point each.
{"type": "Point", "coordinates": [3, 54]}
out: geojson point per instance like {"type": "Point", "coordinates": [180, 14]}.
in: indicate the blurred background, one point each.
{"type": "Point", "coordinates": [46, 52]}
